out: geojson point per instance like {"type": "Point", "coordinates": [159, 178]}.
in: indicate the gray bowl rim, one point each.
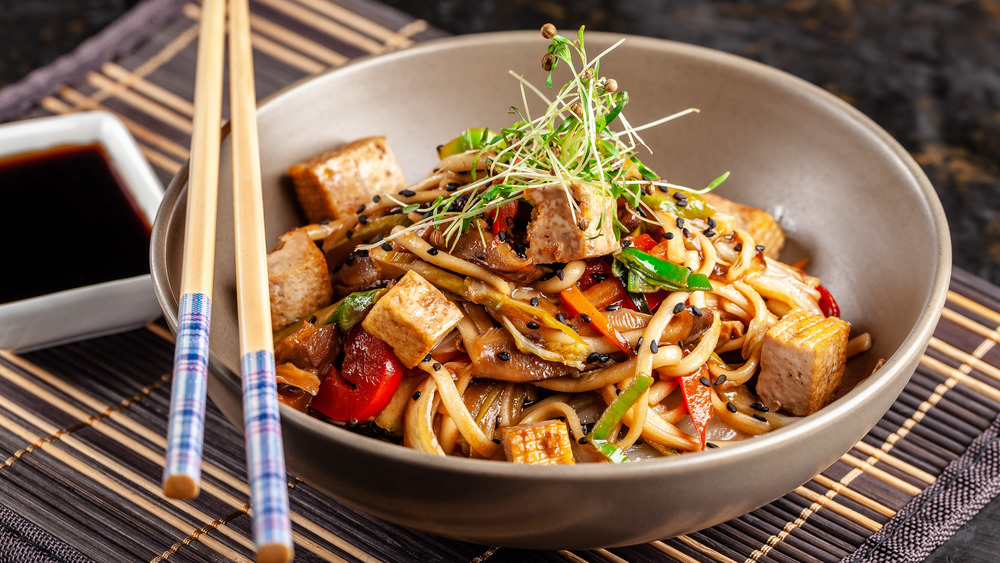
{"type": "Point", "coordinates": [742, 452]}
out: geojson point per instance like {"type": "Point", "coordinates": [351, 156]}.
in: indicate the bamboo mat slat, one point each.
{"type": "Point", "coordinates": [82, 426]}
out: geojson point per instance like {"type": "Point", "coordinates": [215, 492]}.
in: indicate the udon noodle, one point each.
{"type": "Point", "coordinates": [543, 297]}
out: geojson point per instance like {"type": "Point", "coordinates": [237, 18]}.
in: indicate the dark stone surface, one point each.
{"type": "Point", "coordinates": [927, 71]}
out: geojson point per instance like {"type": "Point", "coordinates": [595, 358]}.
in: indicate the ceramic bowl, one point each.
{"type": "Point", "coordinates": [849, 197]}
{"type": "Point", "coordinates": [101, 308]}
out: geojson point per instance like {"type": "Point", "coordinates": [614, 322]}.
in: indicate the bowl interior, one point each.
{"type": "Point", "coordinates": [850, 199]}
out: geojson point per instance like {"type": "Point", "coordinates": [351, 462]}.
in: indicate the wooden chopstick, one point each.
{"type": "Point", "coordinates": [186, 431]}
{"type": "Point", "coordinates": [262, 425]}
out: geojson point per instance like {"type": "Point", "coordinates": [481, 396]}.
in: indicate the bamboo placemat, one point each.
{"type": "Point", "coordinates": [82, 426]}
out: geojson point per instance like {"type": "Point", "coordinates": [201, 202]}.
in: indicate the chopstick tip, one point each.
{"type": "Point", "coordinates": [274, 553]}
{"type": "Point", "coordinates": [180, 487]}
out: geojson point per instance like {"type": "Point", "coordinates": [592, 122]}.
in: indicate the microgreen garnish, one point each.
{"type": "Point", "coordinates": [583, 137]}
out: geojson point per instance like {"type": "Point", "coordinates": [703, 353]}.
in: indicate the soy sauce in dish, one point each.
{"type": "Point", "coordinates": [66, 221]}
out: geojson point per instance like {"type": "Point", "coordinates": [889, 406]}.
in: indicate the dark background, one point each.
{"type": "Point", "coordinates": [926, 71]}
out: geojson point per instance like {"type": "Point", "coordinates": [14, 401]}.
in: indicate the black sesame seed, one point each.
{"type": "Point", "coordinates": [711, 445]}
{"type": "Point", "coordinates": [738, 247]}
{"type": "Point", "coordinates": [663, 189]}
{"type": "Point", "coordinates": [626, 242]}
{"type": "Point", "coordinates": [614, 307]}
{"type": "Point", "coordinates": [759, 417]}
{"type": "Point", "coordinates": [532, 325]}
{"type": "Point", "coordinates": [730, 406]}
{"type": "Point", "coordinates": [378, 239]}
{"type": "Point", "coordinates": [432, 251]}
{"type": "Point", "coordinates": [502, 235]}
{"type": "Point", "coordinates": [593, 358]}
{"type": "Point", "coordinates": [654, 347]}
{"type": "Point", "coordinates": [504, 356]}
{"type": "Point", "coordinates": [704, 381]}
{"type": "Point", "coordinates": [686, 233]}
{"type": "Point", "coordinates": [415, 396]}
{"type": "Point", "coordinates": [324, 222]}
{"type": "Point", "coordinates": [720, 380]}
{"type": "Point", "coordinates": [349, 233]}
{"type": "Point", "coordinates": [711, 223]}
{"type": "Point", "coordinates": [599, 277]}
{"type": "Point", "coordinates": [680, 195]}
{"type": "Point", "coordinates": [669, 235]}
{"type": "Point", "coordinates": [638, 344]}
{"type": "Point", "coordinates": [349, 260]}
{"type": "Point", "coordinates": [585, 317]}
{"type": "Point", "coordinates": [560, 274]}
{"type": "Point", "coordinates": [534, 336]}
{"type": "Point", "coordinates": [363, 219]}
{"type": "Point", "coordinates": [362, 253]}
{"type": "Point", "coordinates": [709, 233]}
{"type": "Point", "coordinates": [376, 198]}
{"type": "Point", "coordinates": [534, 301]}
{"type": "Point", "coordinates": [759, 247]}
{"type": "Point", "coordinates": [360, 210]}
{"type": "Point", "coordinates": [428, 358]}
{"type": "Point", "coordinates": [680, 222]}
{"type": "Point", "coordinates": [561, 317]}
{"type": "Point", "coordinates": [759, 407]}
{"type": "Point", "coordinates": [678, 308]}
{"type": "Point", "coordinates": [582, 441]}
{"type": "Point", "coordinates": [696, 311]}
{"type": "Point", "coordinates": [436, 366]}
{"type": "Point", "coordinates": [640, 212]}
{"type": "Point", "coordinates": [452, 186]}
{"type": "Point", "coordinates": [682, 203]}
{"type": "Point", "coordinates": [479, 255]}
{"type": "Point", "coordinates": [312, 320]}
{"type": "Point", "coordinates": [407, 193]}
{"type": "Point", "coordinates": [386, 246]}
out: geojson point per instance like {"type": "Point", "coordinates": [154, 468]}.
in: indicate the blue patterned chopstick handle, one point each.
{"type": "Point", "coordinates": [265, 457]}
{"type": "Point", "coordinates": [185, 435]}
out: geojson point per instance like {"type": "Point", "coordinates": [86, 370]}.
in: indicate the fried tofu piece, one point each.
{"type": "Point", "coordinates": [412, 317]}
{"type": "Point", "coordinates": [802, 362]}
{"type": "Point", "coordinates": [297, 278]}
{"type": "Point", "coordinates": [764, 229]}
{"type": "Point", "coordinates": [558, 233]}
{"type": "Point", "coordinates": [540, 443]}
{"type": "Point", "coordinates": [333, 184]}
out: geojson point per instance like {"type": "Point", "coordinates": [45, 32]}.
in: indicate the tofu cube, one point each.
{"type": "Point", "coordinates": [297, 278]}
{"type": "Point", "coordinates": [559, 233]}
{"type": "Point", "coordinates": [412, 317]}
{"type": "Point", "coordinates": [543, 443]}
{"type": "Point", "coordinates": [333, 184]}
{"type": "Point", "coordinates": [802, 362]}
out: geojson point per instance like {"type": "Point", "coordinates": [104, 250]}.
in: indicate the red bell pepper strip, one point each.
{"type": "Point", "coordinates": [371, 374]}
{"type": "Point", "coordinates": [612, 284]}
{"type": "Point", "coordinates": [698, 399]}
{"type": "Point", "coordinates": [827, 303]}
{"type": "Point", "coordinates": [643, 242]}
{"type": "Point", "coordinates": [502, 215]}
{"type": "Point", "coordinates": [577, 303]}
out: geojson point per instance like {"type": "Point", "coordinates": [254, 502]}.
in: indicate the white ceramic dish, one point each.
{"type": "Point", "coordinates": [96, 309]}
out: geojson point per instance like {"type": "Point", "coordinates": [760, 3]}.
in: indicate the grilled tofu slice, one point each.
{"type": "Point", "coordinates": [297, 278]}
{"type": "Point", "coordinates": [542, 443]}
{"type": "Point", "coordinates": [333, 184]}
{"type": "Point", "coordinates": [802, 362]}
{"type": "Point", "coordinates": [558, 233]}
{"type": "Point", "coordinates": [412, 317]}
{"type": "Point", "coordinates": [759, 223]}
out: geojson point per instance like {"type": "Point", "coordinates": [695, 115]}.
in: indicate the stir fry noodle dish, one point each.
{"type": "Point", "coordinates": [544, 297]}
